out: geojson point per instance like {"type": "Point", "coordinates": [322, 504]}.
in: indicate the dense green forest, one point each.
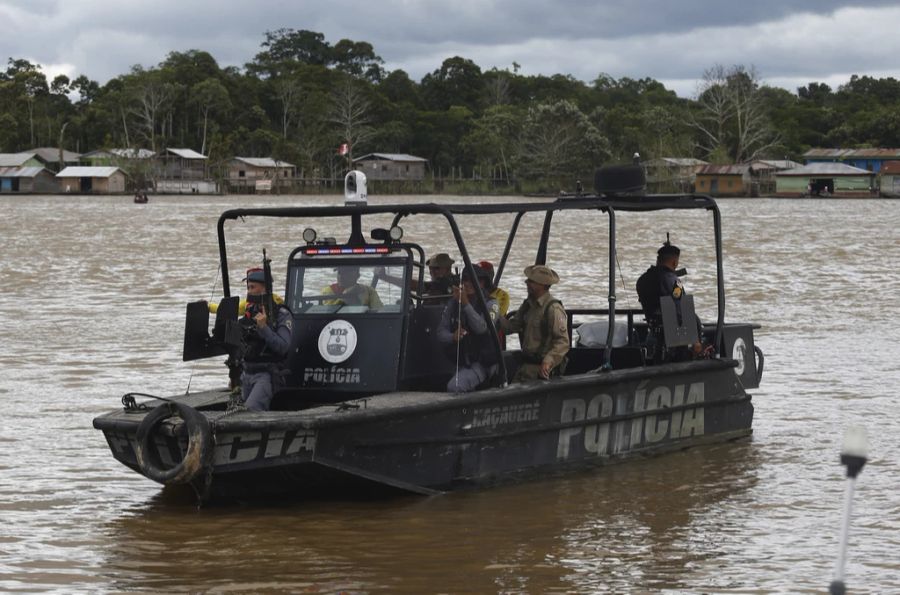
{"type": "Point", "coordinates": [301, 97]}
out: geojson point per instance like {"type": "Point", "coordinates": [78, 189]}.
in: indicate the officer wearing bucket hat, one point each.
{"type": "Point", "coordinates": [541, 324]}
{"type": "Point", "coordinates": [439, 267]}
{"type": "Point", "coordinates": [441, 282]}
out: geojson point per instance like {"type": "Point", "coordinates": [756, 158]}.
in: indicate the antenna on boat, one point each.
{"type": "Point", "coordinates": [458, 325]}
{"type": "Point", "coordinates": [853, 456]}
{"type": "Point", "coordinates": [355, 189]}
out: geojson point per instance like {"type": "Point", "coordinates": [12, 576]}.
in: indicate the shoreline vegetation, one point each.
{"type": "Point", "coordinates": [315, 104]}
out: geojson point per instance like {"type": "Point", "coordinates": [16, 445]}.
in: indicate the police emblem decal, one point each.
{"type": "Point", "coordinates": [337, 341]}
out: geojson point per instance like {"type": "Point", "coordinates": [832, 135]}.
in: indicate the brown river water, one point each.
{"type": "Point", "coordinates": [93, 305]}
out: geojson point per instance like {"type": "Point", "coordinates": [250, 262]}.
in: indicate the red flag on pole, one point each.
{"type": "Point", "coordinates": [343, 149]}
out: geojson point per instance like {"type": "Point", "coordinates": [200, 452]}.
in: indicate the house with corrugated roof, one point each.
{"type": "Point", "coordinates": [762, 174]}
{"type": "Point", "coordinates": [91, 180]}
{"type": "Point", "coordinates": [724, 180]}
{"type": "Point", "coordinates": [258, 174]}
{"type": "Point", "coordinates": [25, 173]}
{"type": "Point", "coordinates": [825, 179]}
{"type": "Point", "coordinates": [50, 157]}
{"type": "Point", "coordinates": [672, 174]}
{"type": "Point", "coordinates": [889, 179]}
{"type": "Point", "coordinates": [27, 159]}
{"type": "Point", "coordinates": [183, 171]}
{"type": "Point", "coordinates": [254, 168]}
{"type": "Point", "coordinates": [34, 179]}
{"type": "Point", "coordinates": [391, 166]}
{"type": "Point", "coordinates": [116, 157]}
{"type": "Point", "coordinates": [869, 159]}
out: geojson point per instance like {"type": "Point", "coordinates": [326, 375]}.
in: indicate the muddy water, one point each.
{"type": "Point", "coordinates": [93, 301]}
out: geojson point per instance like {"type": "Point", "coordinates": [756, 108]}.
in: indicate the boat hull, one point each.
{"type": "Point", "coordinates": [434, 442]}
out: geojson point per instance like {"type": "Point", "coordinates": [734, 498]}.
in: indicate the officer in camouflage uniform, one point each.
{"type": "Point", "coordinates": [266, 346]}
{"type": "Point", "coordinates": [541, 324]}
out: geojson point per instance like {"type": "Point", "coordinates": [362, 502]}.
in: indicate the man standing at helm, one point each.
{"type": "Point", "coordinates": [541, 324]}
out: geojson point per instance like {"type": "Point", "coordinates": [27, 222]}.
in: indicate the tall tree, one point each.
{"type": "Point", "coordinates": [30, 84]}
{"type": "Point", "coordinates": [457, 82]}
{"type": "Point", "coordinates": [559, 141]}
{"type": "Point", "coordinates": [731, 115]}
{"type": "Point", "coordinates": [350, 114]}
{"type": "Point", "coordinates": [493, 140]}
{"type": "Point", "coordinates": [150, 100]}
{"type": "Point", "coordinates": [210, 96]}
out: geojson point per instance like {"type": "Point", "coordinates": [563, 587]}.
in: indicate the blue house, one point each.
{"type": "Point", "coordinates": [868, 159]}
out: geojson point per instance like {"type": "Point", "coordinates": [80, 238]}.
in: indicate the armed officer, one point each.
{"type": "Point", "coordinates": [267, 343]}
{"type": "Point", "coordinates": [660, 280]}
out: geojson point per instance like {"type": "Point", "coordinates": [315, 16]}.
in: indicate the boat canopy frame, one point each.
{"type": "Point", "coordinates": [564, 202]}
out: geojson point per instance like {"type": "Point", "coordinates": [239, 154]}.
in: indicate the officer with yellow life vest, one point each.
{"type": "Point", "coordinates": [348, 291]}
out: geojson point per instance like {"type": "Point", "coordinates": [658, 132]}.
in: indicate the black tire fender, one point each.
{"type": "Point", "coordinates": [199, 449]}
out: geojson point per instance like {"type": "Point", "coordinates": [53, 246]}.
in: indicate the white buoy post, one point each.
{"type": "Point", "coordinates": [853, 457]}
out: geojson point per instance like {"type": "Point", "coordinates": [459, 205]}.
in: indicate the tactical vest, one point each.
{"type": "Point", "coordinates": [256, 351]}
{"type": "Point", "coordinates": [546, 339]}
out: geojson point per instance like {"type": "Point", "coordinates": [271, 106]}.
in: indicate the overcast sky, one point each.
{"type": "Point", "coordinates": [672, 41]}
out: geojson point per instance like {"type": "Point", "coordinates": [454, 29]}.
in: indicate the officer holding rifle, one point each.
{"type": "Point", "coordinates": [267, 328]}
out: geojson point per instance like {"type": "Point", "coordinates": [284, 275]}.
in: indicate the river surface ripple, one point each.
{"type": "Point", "coordinates": [94, 305]}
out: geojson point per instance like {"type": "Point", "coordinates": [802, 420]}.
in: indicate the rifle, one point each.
{"type": "Point", "coordinates": [268, 299]}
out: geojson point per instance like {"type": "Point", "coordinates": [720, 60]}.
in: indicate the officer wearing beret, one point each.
{"type": "Point", "coordinates": [541, 324]}
{"type": "Point", "coordinates": [266, 346]}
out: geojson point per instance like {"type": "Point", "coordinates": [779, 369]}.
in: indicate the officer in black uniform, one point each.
{"type": "Point", "coordinates": [266, 346]}
{"type": "Point", "coordinates": [658, 281]}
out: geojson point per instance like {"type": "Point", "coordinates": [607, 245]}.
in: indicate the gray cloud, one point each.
{"type": "Point", "coordinates": [790, 43]}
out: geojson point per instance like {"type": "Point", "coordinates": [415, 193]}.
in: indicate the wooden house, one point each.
{"type": "Point", "coordinates": [183, 171]}
{"type": "Point", "coordinates": [672, 174]}
{"type": "Point", "coordinates": [258, 174]}
{"type": "Point", "coordinates": [91, 180]}
{"type": "Point", "coordinates": [32, 179]}
{"type": "Point", "coordinates": [724, 180]}
{"type": "Point", "coordinates": [889, 179]}
{"type": "Point", "coordinates": [391, 166]}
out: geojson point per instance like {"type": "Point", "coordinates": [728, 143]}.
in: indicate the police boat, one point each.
{"type": "Point", "coordinates": [363, 407]}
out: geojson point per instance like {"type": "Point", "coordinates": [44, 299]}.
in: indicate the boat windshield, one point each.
{"type": "Point", "coordinates": [323, 287]}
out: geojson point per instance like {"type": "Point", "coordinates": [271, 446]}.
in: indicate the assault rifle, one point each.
{"type": "Point", "coordinates": [269, 298]}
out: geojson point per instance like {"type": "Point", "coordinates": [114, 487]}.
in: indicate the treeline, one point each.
{"type": "Point", "coordinates": [301, 97]}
